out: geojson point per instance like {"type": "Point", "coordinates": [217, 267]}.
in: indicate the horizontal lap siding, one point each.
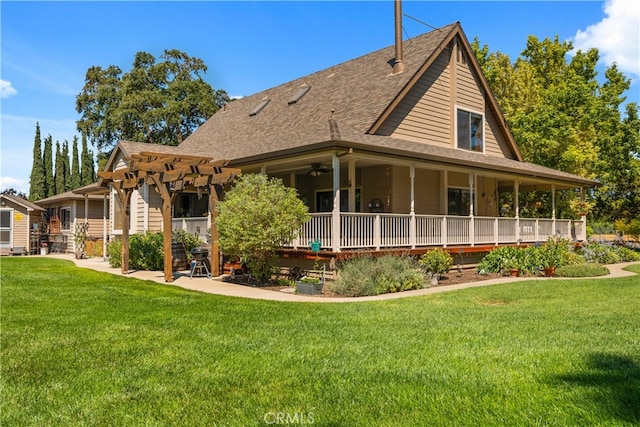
{"type": "Point", "coordinates": [20, 229]}
{"type": "Point", "coordinates": [495, 143]}
{"type": "Point", "coordinates": [427, 189]}
{"type": "Point", "coordinates": [155, 211]}
{"type": "Point", "coordinates": [424, 113]}
{"type": "Point", "coordinates": [469, 94]}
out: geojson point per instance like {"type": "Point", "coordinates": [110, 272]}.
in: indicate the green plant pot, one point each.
{"type": "Point", "coordinates": [305, 288]}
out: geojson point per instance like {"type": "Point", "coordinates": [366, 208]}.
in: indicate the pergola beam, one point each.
{"type": "Point", "coordinates": [170, 173]}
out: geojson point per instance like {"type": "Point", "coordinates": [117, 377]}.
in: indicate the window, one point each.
{"type": "Point", "coordinates": [5, 228]}
{"type": "Point", "coordinates": [324, 200]}
{"type": "Point", "coordinates": [65, 218]}
{"type": "Point", "coordinates": [470, 131]}
{"type": "Point", "coordinates": [459, 201]}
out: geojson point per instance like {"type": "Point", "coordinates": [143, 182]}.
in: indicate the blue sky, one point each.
{"type": "Point", "coordinates": [47, 47]}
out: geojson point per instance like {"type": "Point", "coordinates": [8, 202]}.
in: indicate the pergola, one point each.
{"type": "Point", "coordinates": [169, 174]}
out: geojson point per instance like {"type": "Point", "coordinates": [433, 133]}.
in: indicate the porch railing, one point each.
{"type": "Point", "coordinates": [198, 226]}
{"type": "Point", "coordinates": [378, 231]}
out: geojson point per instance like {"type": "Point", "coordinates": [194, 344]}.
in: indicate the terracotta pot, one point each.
{"type": "Point", "coordinates": [549, 271]}
{"type": "Point", "coordinates": [514, 272]}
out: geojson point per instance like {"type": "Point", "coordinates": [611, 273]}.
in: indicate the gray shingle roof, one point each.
{"type": "Point", "coordinates": [22, 202]}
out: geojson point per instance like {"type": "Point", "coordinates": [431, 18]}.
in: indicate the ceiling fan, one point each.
{"type": "Point", "coordinates": [317, 169]}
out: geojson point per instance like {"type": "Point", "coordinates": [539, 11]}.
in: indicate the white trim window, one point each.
{"type": "Point", "coordinates": [469, 131]}
{"type": "Point", "coordinates": [6, 220]}
{"type": "Point", "coordinates": [65, 218]}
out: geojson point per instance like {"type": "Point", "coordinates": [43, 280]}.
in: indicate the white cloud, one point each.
{"type": "Point", "coordinates": [617, 36]}
{"type": "Point", "coordinates": [6, 90]}
{"type": "Point", "coordinates": [17, 184]}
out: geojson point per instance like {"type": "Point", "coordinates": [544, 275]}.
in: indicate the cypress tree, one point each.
{"type": "Point", "coordinates": [37, 188]}
{"type": "Point", "coordinates": [74, 178]}
{"type": "Point", "coordinates": [59, 174]}
{"type": "Point", "coordinates": [47, 160]}
{"type": "Point", "coordinates": [67, 167]}
{"type": "Point", "coordinates": [87, 174]}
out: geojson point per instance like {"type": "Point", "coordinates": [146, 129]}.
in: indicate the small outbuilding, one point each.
{"type": "Point", "coordinates": [20, 224]}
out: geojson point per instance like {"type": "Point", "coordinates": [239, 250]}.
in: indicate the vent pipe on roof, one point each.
{"type": "Point", "coordinates": [398, 65]}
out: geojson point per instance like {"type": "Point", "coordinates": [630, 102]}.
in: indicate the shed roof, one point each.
{"type": "Point", "coordinates": [22, 202]}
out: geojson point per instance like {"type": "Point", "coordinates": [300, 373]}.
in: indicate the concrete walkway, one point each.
{"type": "Point", "coordinates": [218, 287]}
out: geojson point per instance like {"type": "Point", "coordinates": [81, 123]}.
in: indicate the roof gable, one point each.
{"type": "Point", "coordinates": [21, 202]}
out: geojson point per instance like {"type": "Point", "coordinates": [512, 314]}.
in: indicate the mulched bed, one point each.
{"type": "Point", "coordinates": [452, 278]}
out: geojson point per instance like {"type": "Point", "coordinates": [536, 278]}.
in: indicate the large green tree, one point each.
{"type": "Point", "coordinates": [563, 117]}
{"type": "Point", "coordinates": [37, 186]}
{"type": "Point", "coordinates": [74, 177]}
{"type": "Point", "coordinates": [47, 160]}
{"type": "Point", "coordinates": [67, 166]}
{"type": "Point", "coordinates": [160, 102]}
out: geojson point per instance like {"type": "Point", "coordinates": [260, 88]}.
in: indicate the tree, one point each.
{"type": "Point", "coordinates": [155, 102]}
{"type": "Point", "coordinates": [47, 159]}
{"type": "Point", "coordinates": [87, 174]}
{"type": "Point", "coordinates": [14, 192]}
{"type": "Point", "coordinates": [563, 118]}
{"type": "Point", "coordinates": [67, 166]}
{"type": "Point", "coordinates": [74, 177]}
{"type": "Point", "coordinates": [59, 173]}
{"type": "Point", "coordinates": [37, 186]}
{"type": "Point", "coordinates": [258, 216]}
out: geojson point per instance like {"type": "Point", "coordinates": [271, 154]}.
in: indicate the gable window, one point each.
{"type": "Point", "coordinates": [470, 131]}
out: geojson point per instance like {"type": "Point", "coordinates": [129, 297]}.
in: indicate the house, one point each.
{"type": "Point", "coordinates": [20, 222]}
{"type": "Point", "coordinates": [403, 148]}
{"type": "Point", "coordinates": [67, 213]}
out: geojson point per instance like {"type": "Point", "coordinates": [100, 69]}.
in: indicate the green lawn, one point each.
{"type": "Point", "coordinates": [86, 348]}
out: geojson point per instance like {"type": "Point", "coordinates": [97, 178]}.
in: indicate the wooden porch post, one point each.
{"type": "Point", "coordinates": [124, 194]}
{"type": "Point", "coordinates": [335, 213]}
{"type": "Point", "coordinates": [213, 215]}
{"type": "Point", "coordinates": [167, 203]}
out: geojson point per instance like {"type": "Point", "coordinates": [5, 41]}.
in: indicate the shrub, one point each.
{"type": "Point", "coordinates": [374, 276]}
{"type": "Point", "coordinates": [599, 253]}
{"type": "Point", "coordinates": [114, 249]}
{"type": "Point", "coordinates": [258, 216]}
{"type": "Point", "coordinates": [500, 259]}
{"type": "Point", "coordinates": [554, 253]}
{"type": "Point", "coordinates": [146, 251]}
{"type": "Point", "coordinates": [627, 254]}
{"type": "Point", "coordinates": [436, 261]}
{"type": "Point", "coordinates": [582, 270]}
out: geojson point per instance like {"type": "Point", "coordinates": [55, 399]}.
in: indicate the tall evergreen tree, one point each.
{"type": "Point", "coordinates": [87, 173]}
{"type": "Point", "coordinates": [74, 177]}
{"type": "Point", "coordinates": [47, 160]}
{"type": "Point", "coordinates": [37, 187]}
{"type": "Point", "coordinates": [67, 166]}
{"type": "Point", "coordinates": [59, 174]}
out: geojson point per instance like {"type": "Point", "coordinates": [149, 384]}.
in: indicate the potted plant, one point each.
{"type": "Point", "coordinates": [308, 285]}
{"type": "Point", "coordinates": [435, 262]}
{"type": "Point", "coordinates": [552, 255]}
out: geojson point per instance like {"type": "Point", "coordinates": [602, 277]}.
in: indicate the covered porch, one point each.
{"type": "Point", "coordinates": [360, 200]}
